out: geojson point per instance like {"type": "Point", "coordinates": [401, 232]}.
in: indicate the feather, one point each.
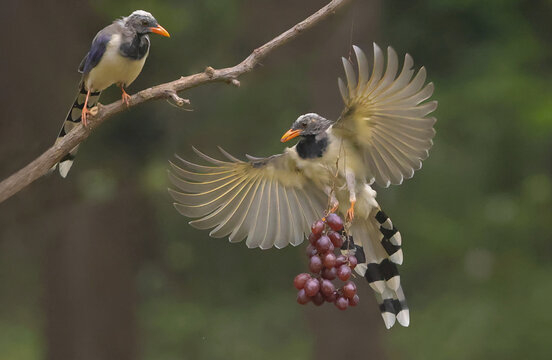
{"type": "Point", "coordinates": [377, 247]}
{"type": "Point", "coordinates": [386, 116]}
{"type": "Point", "coordinates": [264, 200]}
{"type": "Point", "coordinates": [71, 120]}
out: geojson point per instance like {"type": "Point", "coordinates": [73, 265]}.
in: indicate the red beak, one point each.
{"type": "Point", "coordinates": [290, 134]}
{"type": "Point", "coordinates": [160, 30]}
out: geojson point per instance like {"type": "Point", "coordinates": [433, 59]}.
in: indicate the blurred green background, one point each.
{"type": "Point", "coordinates": [100, 265]}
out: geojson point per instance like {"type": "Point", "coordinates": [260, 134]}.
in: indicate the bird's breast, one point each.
{"type": "Point", "coordinates": [114, 68]}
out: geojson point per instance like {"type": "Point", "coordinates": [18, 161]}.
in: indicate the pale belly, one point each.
{"type": "Point", "coordinates": [114, 69]}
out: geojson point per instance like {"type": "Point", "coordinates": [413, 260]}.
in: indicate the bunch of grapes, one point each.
{"type": "Point", "coordinates": [325, 237]}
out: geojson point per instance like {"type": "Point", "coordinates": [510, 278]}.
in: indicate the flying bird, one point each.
{"type": "Point", "coordinates": [381, 138]}
{"type": "Point", "coordinates": [116, 56]}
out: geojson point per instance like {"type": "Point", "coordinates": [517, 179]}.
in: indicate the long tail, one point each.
{"type": "Point", "coordinates": [72, 119]}
{"type": "Point", "coordinates": [377, 245]}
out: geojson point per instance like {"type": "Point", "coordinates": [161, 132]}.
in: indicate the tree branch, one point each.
{"type": "Point", "coordinates": [41, 165]}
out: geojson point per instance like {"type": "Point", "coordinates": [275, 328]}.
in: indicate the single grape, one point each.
{"type": "Point", "coordinates": [334, 221]}
{"type": "Point", "coordinates": [311, 287]}
{"type": "Point", "coordinates": [352, 262]}
{"type": "Point", "coordinates": [302, 297]}
{"type": "Point", "coordinates": [354, 300]}
{"type": "Point", "coordinates": [313, 238]}
{"type": "Point", "coordinates": [342, 303]}
{"type": "Point", "coordinates": [331, 297]}
{"type": "Point", "coordinates": [336, 239]}
{"type": "Point", "coordinates": [318, 299]}
{"type": "Point", "coordinates": [349, 290]}
{"type": "Point", "coordinates": [317, 227]}
{"type": "Point", "coordinates": [315, 264]}
{"type": "Point", "coordinates": [311, 250]}
{"type": "Point", "coordinates": [329, 260]}
{"type": "Point", "coordinates": [323, 244]}
{"type": "Point", "coordinates": [344, 272]}
{"type": "Point", "coordinates": [300, 280]}
{"type": "Point", "coordinates": [329, 273]}
{"type": "Point", "coordinates": [327, 288]}
{"type": "Point", "coordinates": [341, 259]}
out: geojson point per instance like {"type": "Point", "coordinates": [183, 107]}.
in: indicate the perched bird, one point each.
{"type": "Point", "coordinates": [381, 137]}
{"type": "Point", "coordinates": [116, 56]}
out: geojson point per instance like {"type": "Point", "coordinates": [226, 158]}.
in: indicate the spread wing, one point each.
{"type": "Point", "coordinates": [266, 200]}
{"type": "Point", "coordinates": [385, 116]}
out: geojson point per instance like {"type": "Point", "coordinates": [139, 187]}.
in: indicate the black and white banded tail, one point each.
{"type": "Point", "coordinates": [377, 246]}
{"type": "Point", "coordinates": [72, 119]}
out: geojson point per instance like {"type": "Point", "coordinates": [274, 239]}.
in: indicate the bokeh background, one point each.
{"type": "Point", "coordinates": [100, 265]}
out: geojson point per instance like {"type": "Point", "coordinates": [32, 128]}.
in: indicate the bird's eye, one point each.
{"type": "Point", "coordinates": [304, 125]}
{"type": "Point", "coordinates": [144, 22]}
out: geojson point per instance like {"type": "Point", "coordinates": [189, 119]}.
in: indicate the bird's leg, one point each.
{"type": "Point", "coordinates": [351, 185]}
{"type": "Point", "coordinates": [85, 111]}
{"type": "Point", "coordinates": [333, 201]}
{"type": "Point", "coordinates": [124, 96]}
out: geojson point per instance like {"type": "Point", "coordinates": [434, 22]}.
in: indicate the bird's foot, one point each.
{"type": "Point", "coordinates": [351, 212]}
{"type": "Point", "coordinates": [334, 208]}
{"type": "Point", "coordinates": [84, 115]}
{"type": "Point", "coordinates": [125, 97]}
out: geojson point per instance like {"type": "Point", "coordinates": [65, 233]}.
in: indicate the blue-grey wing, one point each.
{"type": "Point", "coordinates": [99, 44]}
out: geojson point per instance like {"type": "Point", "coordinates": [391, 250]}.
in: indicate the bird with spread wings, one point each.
{"type": "Point", "coordinates": [381, 137]}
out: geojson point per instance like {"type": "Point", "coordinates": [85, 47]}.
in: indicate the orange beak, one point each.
{"type": "Point", "coordinates": [160, 30]}
{"type": "Point", "coordinates": [290, 134]}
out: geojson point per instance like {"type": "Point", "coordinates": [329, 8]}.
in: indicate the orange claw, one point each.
{"type": "Point", "coordinates": [351, 212]}
{"type": "Point", "coordinates": [85, 111]}
{"type": "Point", "coordinates": [84, 115]}
{"type": "Point", "coordinates": [334, 208]}
{"type": "Point", "coordinates": [125, 97]}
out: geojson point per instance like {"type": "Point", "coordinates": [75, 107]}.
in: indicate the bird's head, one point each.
{"type": "Point", "coordinates": [305, 125]}
{"type": "Point", "coordinates": [144, 23]}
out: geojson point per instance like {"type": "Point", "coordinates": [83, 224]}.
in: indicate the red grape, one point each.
{"type": "Point", "coordinates": [302, 297]}
{"type": "Point", "coordinates": [352, 262]}
{"type": "Point", "coordinates": [311, 287]}
{"type": "Point", "coordinates": [300, 280]}
{"type": "Point", "coordinates": [329, 260]}
{"type": "Point", "coordinates": [334, 221]}
{"type": "Point", "coordinates": [323, 244]}
{"type": "Point", "coordinates": [344, 272]}
{"type": "Point", "coordinates": [313, 238]}
{"type": "Point", "coordinates": [315, 264]}
{"type": "Point", "coordinates": [329, 273]}
{"type": "Point", "coordinates": [311, 251]}
{"type": "Point", "coordinates": [331, 297]}
{"type": "Point", "coordinates": [318, 299]}
{"type": "Point", "coordinates": [354, 300]}
{"type": "Point", "coordinates": [336, 239]}
{"type": "Point", "coordinates": [342, 303]}
{"type": "Point", "coordinates": [317, 227]}
{"type": "Point", "coordinates": [327, 287]}
{"type": "Point", "coordinates": [341, 259]}
{"type": "Point", "coordinates": [349, 290]}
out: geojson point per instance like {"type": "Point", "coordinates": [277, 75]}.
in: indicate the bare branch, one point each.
{"type": "Point", "coordinates": [41, 165]}
{"type": "Point", "coordinates": [177, 99]}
